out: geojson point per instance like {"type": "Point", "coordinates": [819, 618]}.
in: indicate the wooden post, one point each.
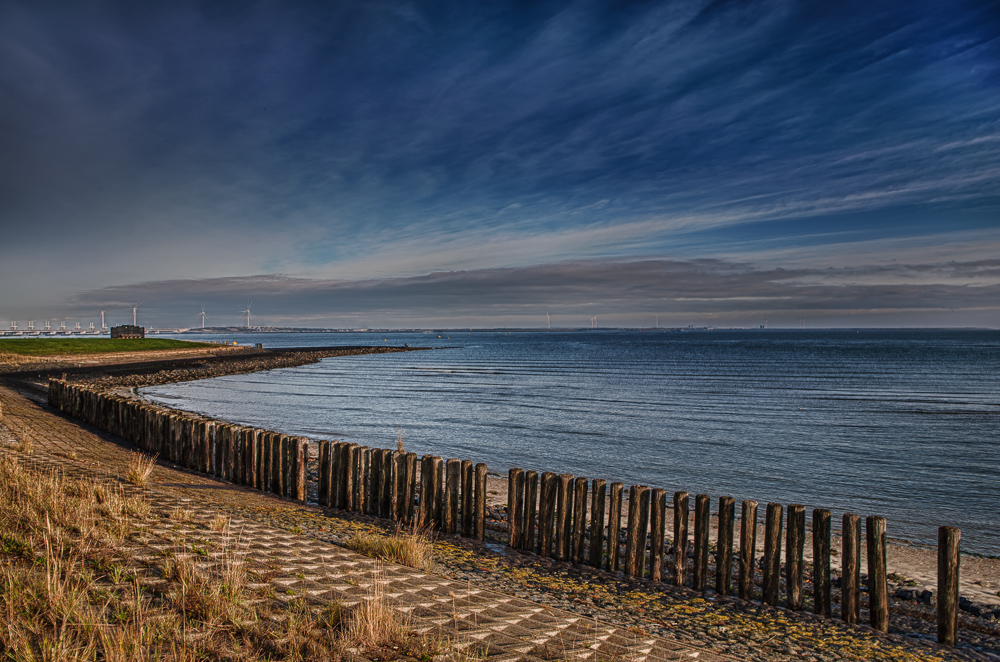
{"type": "Point", "coordinates": [480, 496]}
{"type": "Point", "coordinates": [468, 483]}
{"type": "Point", "coordinates": [253, 460]}
{"type": "Point", "coordinates": [350, 461]}
{"type": "Point", "coordinates": [772, 553]}
{"type": "Point", "coordinates": [850, 581]}
{"type": "Point", "coordinates": [301, 474]}
{"type": "Point", "coordinates": [615, 526]}
{"type": "Point", "coordinates": [265, 456]}
{"type": "Point", "coordinates": [453, 479]}
{"type": "Point", "coordinates": [821, 563]}
{"type": "Point", "coordinates": [947, 589]}
{"type": "Point", "coordinates": [324, 473]}
{"type": "Point", "coordinates": [702, 513]}
{"type": "Point", "coordinates": [289, 467]}
{"type": "Point", "coordinates": [530, 511]}
{"type": "Point", "coordinates": [597, 506]}
{"type": "Point", "coordinates": [680, 537]}
{"type": "Point", "coordinates": [795, 545]}
{"type": "Point", "coordinates": [378, 483]}
{"type": "Point", "coordinates": [337, 474]}
{"type": "Point", "coordinates": [547, 513]}
{"type": "Point", "coordinates": [388, 482]}
{"type": "Point", "coordinates": [363, 484]}
{"type": "Point", "coordinates": [635, 537]}
{"type": "Point", "coordinates": [276, 462]}
{"type": "Point", "coordinates": [878, 588]}
{"type": "Point", "coordinates": [657, 524]}
{"type": "Point", "coordinates": [437, 467]}
{"type": "Point", "coordinates": [724, 546]}
{"type": "Point", "coordinates": [411, 486]}
{"type": "Point", "coordinates": [399, 486]}
{"type": "Point", "coordinates": [426, 492]}
{"type": "Point", "coordinates": [579, 538]}
{"type": "Point", "coordinates": [564, 516]}
{"type": "Point", "coordinates": [514, 506]}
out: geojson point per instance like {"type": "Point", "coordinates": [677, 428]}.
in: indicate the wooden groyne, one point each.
{"type": "Point", "coordinates": [560, 516]}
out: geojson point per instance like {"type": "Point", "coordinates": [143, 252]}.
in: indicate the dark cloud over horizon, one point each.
{"type": "Point", "coordinates": [621, 293]}
{"type": "Point", "coordinates": [388, 141]}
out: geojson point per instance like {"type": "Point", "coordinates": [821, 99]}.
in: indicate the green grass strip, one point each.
{"type": "Point", "coordinates": [66, 346]}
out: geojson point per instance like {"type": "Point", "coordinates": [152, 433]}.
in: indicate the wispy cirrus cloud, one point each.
{"type": "Point", "coordinates": [355, 141]}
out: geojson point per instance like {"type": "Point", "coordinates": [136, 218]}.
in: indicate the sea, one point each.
{"type": "Point", "coordinates": [899, 423]}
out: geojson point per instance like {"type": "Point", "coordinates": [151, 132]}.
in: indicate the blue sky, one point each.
{"type": "Point", "coordinates": [434, 164]}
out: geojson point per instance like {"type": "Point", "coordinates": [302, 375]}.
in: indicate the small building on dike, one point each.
{"type": "Point", "coordinates": [128, 331]}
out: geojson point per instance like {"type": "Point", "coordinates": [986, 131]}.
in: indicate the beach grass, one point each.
{"type": "Point", "coordinates": [69, 590]}
{"type": "Point", "coordinates": [409, 548]}
{"type": "Point", "coordinates": [74, 346]}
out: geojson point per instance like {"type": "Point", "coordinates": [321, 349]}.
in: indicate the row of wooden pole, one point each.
{"type": "Point", "coordinates": [385, 483]}
{"type": "Point", "coordinates": [266, 460]}
{"type": "Point", "coordinates": [547, 514]}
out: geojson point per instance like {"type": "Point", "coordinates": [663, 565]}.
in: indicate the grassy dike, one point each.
{"type": "Point", "coordinates": [42, 347]}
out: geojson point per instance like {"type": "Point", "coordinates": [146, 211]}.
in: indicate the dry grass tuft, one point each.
{"type": "Point", "coordinates": [219, 523]}
{"type": "Point", "coordinates": [410, 548]}
{"type": "Point", "coordinates": [181, 515]}
{"type": "Point", "coordinates": [140, 466]}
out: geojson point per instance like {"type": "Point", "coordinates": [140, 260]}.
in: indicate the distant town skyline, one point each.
{"type": "Point", "coordinates": [438, 164]}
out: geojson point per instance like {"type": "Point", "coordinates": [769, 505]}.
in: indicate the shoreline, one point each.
{"type": "Point", "coordinates": [912, 563]}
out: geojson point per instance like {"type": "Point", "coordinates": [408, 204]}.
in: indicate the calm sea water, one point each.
{"type": "Point", "coordinates": [904, 424]}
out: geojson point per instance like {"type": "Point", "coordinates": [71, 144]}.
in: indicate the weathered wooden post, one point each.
{"type": "Point", "coordinates": [850, 581]}
{"type": "Point", "coordinates": [878, 588]}
{"type": "Point", "coordinates": [547, 513]}
{"type": "Point", "coordinates": [597, 506]}
{"type": "Point", "coordinates": [513, 506]}
{"type": "Point", "coordinates": [635, 537]}
{"type": "Point", "coordinates": [724, 546]}
{"type": "Point", "coordinates": [772, 553]}
{"type": "Point", "coordinates": [615, 526]}
{"type": "Point", "coordinates": [480, 497]}
{"type": "Point", "coordinates": [468, 489]}
{"type": "Point", "coordinates": [426, 491]}
{"type": "Point", "coordinates": [564, 516]}
{"type": "Point", "coordinates": [399, 486]}
{"type": "Point", "coordinates": [579, 519]}
{"type": "Point", "coordinates": [351, 452]}
{"type": "Point", "coordinates": [453, 479]}
{"type": "Point", "coordinates": [680, 537]}
{"type": "Point", "coordinates": [949, 539]}
{"type": "Point", "coordinates": [266, 449]}
{"type": "Point", "coordinates": [324, 473]}
{"type": "Point", "coordinates": [657, 523]}
{"type": "Point", "coordinates": [362, 482]}
{"type": "Point", "coordinates": [301, 464]}
{"type": "Point", "coordinates": [276, 461]}
{"type": "Point", "coordinates": [437, 502]}
{"type": "Point", "coordinates": [411, 485]}
{"type": "Point", "coordinates": [375, 505]}
{"type": "Point", "coordinates": [530, 511]}
{"type": "Point", "coordinates": [822, 598]}
{"type": "Point", "coordinates": [702, 513]}
{"type": "Point", "coordinates": [795, 545]}
{"type": "Point", "coordinates": [388, 482]}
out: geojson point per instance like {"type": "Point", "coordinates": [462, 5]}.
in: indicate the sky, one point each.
{"type": "Point", "coordinates": [436, 164]}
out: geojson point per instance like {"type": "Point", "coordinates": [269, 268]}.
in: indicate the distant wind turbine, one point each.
{"type": "Point", "coordinates": [134, 309]}
{"type": "Point", "coordinates": [102, 320]}
{"type": "Point", "coordinates": [548, 321]}
{"type": "Point", "coordinates": [202, 315]}
{"type": "Point", "coordinates": [247, 311]}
